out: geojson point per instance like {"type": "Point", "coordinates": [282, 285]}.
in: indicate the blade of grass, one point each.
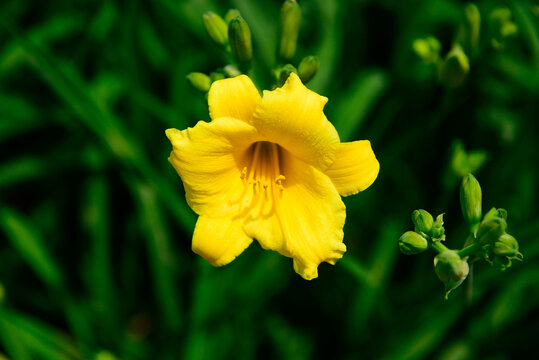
{"type": "Point", "coordinates": [161, 258]}
{"type": "Point", "coordinates": [27, 241]}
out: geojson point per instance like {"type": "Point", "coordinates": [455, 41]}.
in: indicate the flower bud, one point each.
{"type": "Point", "coordinates": [231, 14]}
{"type": "Point", "coordinates": [493, 212]}
{"type": "Point", "coordinates": [290, 22]}
{"type": "Point", "coordinates": [469, 32]}
{"type": "Point", "coordinates": [239, 36]}
{"type": "Point", "coordinates": [216, 28]}
{"type": "Point", "coordinates": [199, 81]}
{"type": "Point", "coordinates": [506, 245]}
{"type": "Point", "coordinates": [231, 71]}
{"type": "Point", "coordinates": [307, 68]}
{"type": "Point", "coordinates": [428, 49]}
{"type": "Point", "coordinates": [438, 231]}
{"type": "Point", "coordinates": [490, 230]}
{"type": "Point", "coordinates": [470, 199]}
{"type": "Point", "coordinates": [411, 243]}
{"type": "Point", "coordinates": [422, 220]}
{"type": "Point", "coordinates": [454, 69]}
{"type": "Point", "coordinates": [285, 72]}
{"type": "Point", "coordinates": [450, 269]}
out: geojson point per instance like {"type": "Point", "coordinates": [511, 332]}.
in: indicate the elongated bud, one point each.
{"type": "Point", "coordinates": [469, 32]}
{"type": "Point", "coordinates": [216, 27]}
{"type": "Point", "coordinates": [490, 230]}
{"type": "Point", "coordinates": [422, 220]}
{"type": "Point", "coordinates": [239, 36]}
{"type": "Point", "coordinates": [438, 230]}
{"type": "Point", "coordinates": [290, 23]}
{"type": "Point", "coordinates": [307, 68]}
{"type": "Point", "coordinates": [231, 71]}
{"type": "Point", "coordinates": [506, 245]}
{"type": "Point", "coordinates": [455, 67]}
{"type": "Point", "coordinates": [200, 81]}
{"type": "Point", "coordinates": [411, 243]}
{"type": "Point", "coordinates": [470, 199]}
{"type": "Point", "coordinates": [231, 14]}
{"type": "Point", "coordinates": [285, 72]}
{"type": "Point", "coordinates": [450, 269]}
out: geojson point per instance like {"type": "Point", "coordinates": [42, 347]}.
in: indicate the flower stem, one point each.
{"type": "Point", "coordinates": [469, 250]}
{"type": "Point", "coordinates": [438, 246]}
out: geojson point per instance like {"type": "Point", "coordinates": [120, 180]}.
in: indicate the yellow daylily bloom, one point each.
{"type": "Point", "coordinates": [269, 168]}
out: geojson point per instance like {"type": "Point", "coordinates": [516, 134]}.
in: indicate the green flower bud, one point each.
{"type": "Point", "coordinates": [506, 245]}
{"type": "Point", "coordinates": [438, 231]}
{"type": "Point", "coordinates": [214, 76]}
{"type": "Point", "coordinates": [469, 32]}
{"type": "Point", "coordinates": [290, 23]}
{"type": "Point", "coordinates": [231, 14]}
{"type": "Point", "coordinates": [199, 81]}
{"type": "Point", "coordinates": [422, 220]}
{"type": "Point", "coordinates": [231, 71]}
{"type": "Point", "coordinates": [411, 243]}
{"type": "Point", "coordinates": [454, 69]}
{"type": "Point", "coordinates": [493, 212]}
{"type": "Point", "coordinates": [307, 68]}
{"type": "Point", "coordinates": [216, 28]}
{"type": "Point", "coordinates": [490, 230]}
{"type": "Point", "coordinates": [285, 72]}
{"type": "Point", "coordinates": [428, 49]}
{"type": "Point", "coordinates": [450, 269]}
{"type": "Point", "coordinates": [239, 36]}
{"type": "Point", "coordinates": [470, 199]}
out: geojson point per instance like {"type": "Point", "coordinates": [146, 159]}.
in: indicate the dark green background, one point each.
{"type": "Point", "coordinates": [95, 259]}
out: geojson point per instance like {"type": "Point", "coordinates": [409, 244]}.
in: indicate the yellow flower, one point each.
{"type": "Point", "coordinates": [269, 168]}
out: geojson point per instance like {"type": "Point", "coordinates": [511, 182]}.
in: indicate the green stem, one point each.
{"type": "Point", "coordinates": [438, 246]}
{"type": "Point", "coordinates": [470, 250]}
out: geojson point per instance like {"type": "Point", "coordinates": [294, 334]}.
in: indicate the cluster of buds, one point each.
{"type": "Point", "coordinates": [453, 69]}
{"type": "Point", "coordinates": [233, 36]}
{"type": "Point", "coordinates": [488, 238]}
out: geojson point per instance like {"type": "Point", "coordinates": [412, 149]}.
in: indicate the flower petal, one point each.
{"type": "Point", "coordinates": [292, 116]}
{"type": "Point", "coordinates": [236, 98]}
{"type": "Point", "coordinates": [209, 158]}
{"type": "Point", "coordinates": [219, 240]}
{"type": "Point", "coordinates": [355, 167]}
{"type": "Point", "coordinates": [308, 221]}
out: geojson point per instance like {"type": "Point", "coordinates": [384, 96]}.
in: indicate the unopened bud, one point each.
{"type": "Point", "coordinates": [428, 49]}
{"type": "Point", "coordinates": [411, 243]}
{"type": "Point", "coordinates": [231, 14]}
{"type": "Point", "coordinates": [199, 81]}
{"type": "Point", "coordinates": [506, 245]}
{"type": "Point", "coordinates": [469, 33]}
{"type": "Point", "coordinates": [239, 36]}
{"type": "Point", "coordinates": [422, 220]}
{"type": "Point", "coordinates": [290, 23]}
{"type": "Point", "coordinates": [307, 68]}
{"type": "Point", "coordinates": [454, 69]}
{"type": "Point", "coordinates": [438, 231]}
{"type": "Point", "coordinates": [493, 212]}
{"type": "Point", "coordinates": [216, 27]}
{"type": "Point", "coordinates": [285, 72]}
{"type": "Point", "coordinates": [490, 230]}
{"type": "Point", "coordinates": [450, 269]}
{"type": "Point", "coordinates": [470, 199]}
{"type": "Point", "coordinates": [232, 71]}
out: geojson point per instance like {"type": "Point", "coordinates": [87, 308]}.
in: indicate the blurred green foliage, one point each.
{"type": "Point", "coordinates": [95, 259]}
